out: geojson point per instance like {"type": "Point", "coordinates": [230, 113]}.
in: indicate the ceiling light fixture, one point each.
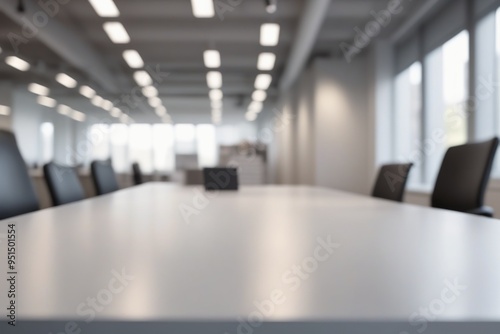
{"type": "Point", "coordinates": [97, 101]}
{"type": "Point", "coordinates": [133, 58]}
{"type": "Point", "coordinates": [64, 109]}
{"type": "Point", "coordinates": [161, 111]}
{"type": "Point", "coordinates": [214, 79]}
{"type": "Point", "coordinates": [255, 107]}
{"type": "Point", "coordinates": [203, 8]}
{"type": "Point", "coordinates": [216, 104]}
{"type": "Point", "coordinates": [105, 8]}
{"type": "Point", "coordinates": [4, 110]}
{"type": "Point", "coordinates": [216, 95]}
{"type": "Point", "coordinates": [46, 101]}
{"type": "Point", "coordinates": [263, 81]}
{"type": "Point", "coordinates": [269, 34]}
{"type": "Point", "coordinates": [66, 80]}
{"type": "Point", "coordinates": [271, 6]}
{"type": "Point", "coordinates": [154, 102]}
{"type": "Point", "coordinates": [250, 116]}
{"type": "Point", "coordinates": [259, 95]}
{"type": "Point", "coordinates": [78, 116]}
{"type": "Point", "coordinates": [17, 63]}
{"type": "Point", "coordinates": [142, 78]}
{"type": "Point", "coordinates": [266, 61]}
{"type": "Point", "coordinates": [150, 91]}
{"type": "Point", "coordinates": [107, 105]}
{"type": "Point", "coordinates": [115, 112]}
{"type": "Point", "coordinates": [38, 89]}
{"type": "Point", "coordinates": [87, 92]}
{"type": "Point", "coordinates": [211, 58]}
{"type": "Point", "coordinates": [116, 32]}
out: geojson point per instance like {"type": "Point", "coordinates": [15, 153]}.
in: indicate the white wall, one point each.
{"type": "Point", "coordinates": [326, 140]}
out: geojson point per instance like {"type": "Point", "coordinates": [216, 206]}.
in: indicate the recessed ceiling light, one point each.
{"type": "Point", "coordinates": [46, 101]}
{"type": "Point", "coordinates": [266, 61]}
{"type": "Point", "coordinates": [116, 32]}
{"type": "Point", "coordinates": [161, 111]}
{"type": "Point", "coordinates": [97, 101]}
{"type": "Point", "coordinates": [4, 110]}
{"type": "Point", "coordinates": [269, 34]}
{"type": "Point", "coordinates": [107, 105]}
{"type": "Point", "coordinates": [124, 118]}
{"type": "Point", "coordinates": [133, 58]}
{"type": "Point", "coordinates": [211, 58]}
{"type": "Point", "coordinates": [255, 107]}
{"type": "Point", "coordinates": [66, 80]}
{"type": "Point", "coordinates": [263, 81]}
{"type": "Point", "coordinates": [143, 78]}
{"type": "Point", "coordinates": [78, 116]}
{"type": "Point", "coordinates": [250, 116]}
{"type": "Point", "coordinates": [216, 104]}
{"type": "Point", "coordinates": [105, 8]}
{"type": "Point", "coordinates": [166, 119]}
{"type": "Point", "coordinates": [64, 109]}
{"type": "Point", "coordinates": [154, 102]}
{"type": "Point", "coordinates": [17, 63]}
{"type": "Point", "coordinates": [259, 95]}
{"type": "Point", "coordinates": [203, 8]}
{"type": "Point", "coordinates": [38, 89]}
{"type": "Point", "coordinates": [216, 95]}
{"type": "Point", "coordinates": [87, 92]}
{"type": "Point", "coordinates": [115, 112]}
{"type": "Point", "coordinates": [150, 91]}
{"type": "Point", "coordinates": [214, 79]}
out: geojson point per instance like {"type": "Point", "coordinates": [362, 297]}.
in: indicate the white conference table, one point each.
{"type": "Point", "coordinates": [388, 267]}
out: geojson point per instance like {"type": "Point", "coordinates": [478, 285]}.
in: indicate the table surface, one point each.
{"type": "Point", "coordinates": [221, 258]}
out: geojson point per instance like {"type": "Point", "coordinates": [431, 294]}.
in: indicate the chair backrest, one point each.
{"type": "Point", "coordinates": [220, 178]}
{"type": "Point", "coordinates": [391, 182]}
{"type": "Point", "coordinates": [63, 183]}
{"type": "Point", "coordinates": [463, 177]}
{"type": "Point", "coordinates": [17, 194]}
{"type": "Point", "coordinates": [137, 174]}
{"type": "Point", "coordinates": [104, 177]}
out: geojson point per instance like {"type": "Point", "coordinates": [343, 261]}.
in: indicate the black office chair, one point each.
{"type": "Point", "coordinates": [391, 182]}
{"type": "Point", "coordinates": [17, 195]}
{"type": "Point", "coordinates": [104, 177]}
{"type": "Point", "coordinates": [220, 179]}
{"type": "Point", "coordinates": [137, 174]}
{"type": "Point", "coordinates": [463, 177]}
{"type": "Point", "coordinates": [63, 183]}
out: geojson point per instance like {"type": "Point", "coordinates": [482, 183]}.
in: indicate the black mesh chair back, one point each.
{"type": "Point", "coordinates": [463, 178]}
{"type": "Point", "coordinates": [63, 183]}
{"type": "Point", "coordinates": [17, 194]}
{"type": "Point", "coordinates": [220, 179]}
{"type": "Point", "coordinates": [104, 177]}
{"type": "Point", "coordinates": [137, 174]}
{"type": "Point", "coordinates": [391, 182]}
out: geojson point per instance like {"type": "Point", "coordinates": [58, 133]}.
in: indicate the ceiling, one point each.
{"type": "Point", "coordinates": [171, 41]}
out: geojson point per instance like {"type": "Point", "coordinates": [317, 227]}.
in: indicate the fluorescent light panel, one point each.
{"type": "Point", "coordinates": [4, 110]}
{"type": "Point", "coordinates": [154, 102]}
{"type": "Point", "coordinates": [38, 89]}
{"type": "Point", "coordinates": [216, 95]}
{"type": "Point", "coordinates": [105, 8]}
{"type": "Point", "coordinates": [212, 58]}
{"type": "Point", "coordinates": [269, 34]}
{"type": "Point", "coordinates": [97, 101]}
{"type": "Point", "coordinates": [78, 116]}
{"type": "Point", "coordinates": [116, 32]}
{"type": "Point", "coordinates": [161, 111]}
{"type": "Point", "coordinates": [115, 112]}
{"type": "Point", "coordinates": [17, 63]}
{"type": "Point", "coordinates": [203, 8]}
{"type": "Point", "coordinates": [64, 109]}
{"type": "Point", "coordinates": [259, 96]}
{"type": "Point", "coordinates": [263, 81]}
{"type": "Point", "coordinates": [150, 91]}
{"type": "Point", "coordinates": [266, 61]}
{"type": "Point", "coordinates": [46, 101]}
{"type": "Point", "coordinates": [255, 107]}
{"type": "Point", "coordinates": [214, 79]}
{"type": "Point", "coordinates": [66, 80]}
{"type": "Point", "coordinates": [143, 78]}
{"type": "Point", "coordinates": [87, 92]}
{"type": "Point", "coordinates": [107, 105]}
{"type": "Point", "coordinates": [133, 58]}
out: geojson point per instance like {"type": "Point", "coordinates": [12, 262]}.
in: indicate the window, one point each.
{"type": "Point", "coordinates": [408, 119]}
{"type": "Point", "coordinates": [46, 143]}
{"type": "Point", "coordinates": [163, 148]}
{"type": "Point", "coordinates": [207, 145]}
{"type": "Point", "coordinates": [185, 139]}
{"type": "Point", "coordinates": [119, 148]}
{"type": "Point", "coordinates": [141, 146]}
{"type": "Point", "coordinates": [98, 137]}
